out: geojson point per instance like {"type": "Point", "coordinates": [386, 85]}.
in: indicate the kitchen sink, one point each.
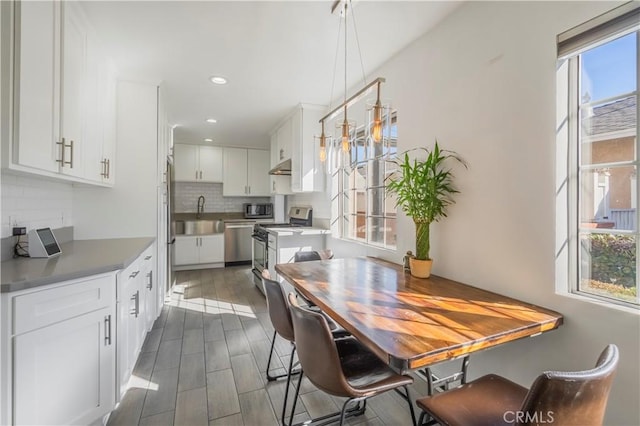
{"type": "Point", "coordinates": [199, 227]}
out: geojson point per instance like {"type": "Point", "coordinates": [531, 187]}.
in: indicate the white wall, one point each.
{"type": "Point", "coordinates": [129, 209]}
{"type": "Point", "coordinates": [483, 83]}
{"type": "Point", "coordinates": [35, 203]}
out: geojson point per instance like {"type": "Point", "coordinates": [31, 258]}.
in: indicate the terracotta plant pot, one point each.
{"type": "Point", "coordinates": [420, 268]}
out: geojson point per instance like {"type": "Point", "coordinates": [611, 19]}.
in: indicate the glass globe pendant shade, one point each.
{"type": "Point", "coordinates": [376, 131]}
{"type": "Point", "coordinates": [346, 143]}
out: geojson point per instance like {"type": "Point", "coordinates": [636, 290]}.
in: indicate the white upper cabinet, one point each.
{"type": "Point", "coordinates": [258, 172]}
{"type": "Point", "coordinates": [64, 118]}
{"type": "Point", "coordinates": [197, 163]}
{"type": "Point", "coordinates": [100, 96]}
{"type": "Point", "coordinates": [72, 105]}
{"type": "Point", "coordinates": [280, 184]}
{"type": "Point", "coordinates": [285, 140]}
{"type": "Point", "coordinates": [210, 164]}
{"type": "Point", "coordinates": [37, 84]}
{"type": "Point", "coordinates": [307, 171]}
{"type": "Point", "coordinates": [246, 172]}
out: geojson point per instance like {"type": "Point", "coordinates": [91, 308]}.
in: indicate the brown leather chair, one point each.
{"type": "Point", "coordinates": [281, 320]}
{"type": "Point", "coordinates": [562, 398]}
{"type": "Point", "coordinates": [341, 367]}
{"type": "Point", "coordinates": [306, 256]}
{"type": "Point", "coordinates": [280, 316]}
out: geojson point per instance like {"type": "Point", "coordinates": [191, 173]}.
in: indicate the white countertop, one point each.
{"type": "Point", "coordinates": [296, 231]}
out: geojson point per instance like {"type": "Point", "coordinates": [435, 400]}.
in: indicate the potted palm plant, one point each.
{"type": "Point", "coordinates": [424, 189]}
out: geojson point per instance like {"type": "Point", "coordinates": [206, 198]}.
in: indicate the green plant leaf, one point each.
{"type": "Point", "coordinates": [424, 189]}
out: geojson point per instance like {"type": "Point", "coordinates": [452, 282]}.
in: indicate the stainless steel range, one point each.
{"type": "Point", "coordinates": [298, 216]}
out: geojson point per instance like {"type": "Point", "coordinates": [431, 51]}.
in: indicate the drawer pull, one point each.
{"type": "Point", "coordinates": [107, 330]}
{"type": "Point", "coordinates": [134, 274]}
{"type": "Point", "coordinates": [147, 257]}
{"type": "Point", "coordinates": [136, 308]}
{"type": "Point", "coordinates": [150, 282]}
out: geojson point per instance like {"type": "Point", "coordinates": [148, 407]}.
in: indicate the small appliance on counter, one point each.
{"type": "Point", "coordinates": [258, 210]}
{"type": "Point", "coordinates": [42, 243]}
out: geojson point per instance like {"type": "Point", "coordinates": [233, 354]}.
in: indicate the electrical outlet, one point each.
{"type": "Point", "coordinates": [19, 230]}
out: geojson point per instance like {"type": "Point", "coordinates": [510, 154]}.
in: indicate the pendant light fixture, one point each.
{"type": "Point", "coordinates": [345, 141]}
{"type": "Point", "coordinates": [323, 145]}
{"type": "Point", "coordinates": [376, 131]}
{"type": "Point", "coordinates": [376, 121]}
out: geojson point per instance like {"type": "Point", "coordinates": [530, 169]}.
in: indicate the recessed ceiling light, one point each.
{"type": "Point", "coordinates": [212, 120]}
{"type": "Point", "coordinates": [208, 140]}
{"type": "Point", "coordinates": [216, 79]}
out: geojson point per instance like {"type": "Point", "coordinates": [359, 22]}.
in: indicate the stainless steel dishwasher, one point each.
{"type": "Point", "coordinates": [238, 242]}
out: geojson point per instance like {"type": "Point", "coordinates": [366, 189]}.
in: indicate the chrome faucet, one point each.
{"type": "Point", "coordinates": [200, 206]}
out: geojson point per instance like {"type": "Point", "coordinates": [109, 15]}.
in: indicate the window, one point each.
{"type": "Point", "coordinates": [361, 210]}
{"type": "Point", "coordinates": [601, 65]}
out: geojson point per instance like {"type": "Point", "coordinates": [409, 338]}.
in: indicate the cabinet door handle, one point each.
{"type": "Point", "coordinates": [62, 145]}
{"type": "Point", "coordinates": [136, 307]}
{"type": "Point", "coordinates": [150, 282]}
{"type": "Point", "coordinates": [281, 154]}
{"type": "Point", "coordinates": [196, 175]}
{"type": "Point", "coordinates": [107, 330]}
{"type": "Point", "coordinates": [134, 274]}
{"type": "Point", "coordinates": [108, 169]}
{"type": "Point", "coordinates": [104, 173]}
{"type": "Point", "coordinates": [147, 257]}
{"type": "Point", "coordinates": [274, 186]}
{"type": "Point", "coordinates": [200, 174]}
{"type": "Point", "coordinates": [70, 162]}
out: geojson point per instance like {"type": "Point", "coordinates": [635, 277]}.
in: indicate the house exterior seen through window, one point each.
{"type": "Point", "coordinates": [361, 209]}
{"type": "Point", "coordinates": [603, 117]}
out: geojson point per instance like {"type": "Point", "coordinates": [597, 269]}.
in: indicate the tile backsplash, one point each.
{"type": "Point", "coordinates": [35, 203]}
{"type": "Point", "coordinates": [187, 193]}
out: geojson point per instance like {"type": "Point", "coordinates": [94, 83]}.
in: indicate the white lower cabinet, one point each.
{"type": "Point", "coordinates": [63, 374]}
{"type": "Point", "coordinates": [199, 250]}
{"type": "Point", "coordinates": [63, 346]}
{"type": "Point", "coordinates": [136, 314]}
{"type": "Point", "coordinates": [68, 349]}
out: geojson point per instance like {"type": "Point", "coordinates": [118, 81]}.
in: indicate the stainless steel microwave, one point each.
{"type": "Point", "coordinates": [258, 210]}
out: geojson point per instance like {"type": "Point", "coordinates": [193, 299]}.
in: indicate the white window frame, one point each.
{"type": "Point", "coordinates": [601, 30]}
{"type": "Point", "coordinates": [340, 200]}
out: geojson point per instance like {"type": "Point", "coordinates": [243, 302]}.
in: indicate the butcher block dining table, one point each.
{"type": "Point", "coordinates": [409, 322]}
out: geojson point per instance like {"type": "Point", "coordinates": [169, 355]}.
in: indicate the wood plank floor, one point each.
{"type": "Point", "coordinates": [204, 362]}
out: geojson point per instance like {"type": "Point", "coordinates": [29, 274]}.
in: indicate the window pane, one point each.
{"type": "Point", "coordinates": [608, 265]}
{"type": "Point", "coordinates": [357, 226]}
{"type": "Point", "coordinates": [608, 132]}
{"type": "Point", "coordinates": [376, 172]}
{"type": "Point", "coordinates": [608, 198]}
{"type": "Point", "coordinates": [390, 205]}
{"type": "Point", "coordinates": [359, 200]}
{"type": "Point", "coordinates": [376, 230]}
{"type": "Point", "coordinates": [390, 232]}
{"type": "Point", "coordinates": [609, 70]}
{"type": "Point", "coordinates": [376, 202]}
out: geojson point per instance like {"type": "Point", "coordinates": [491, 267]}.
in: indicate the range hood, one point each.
{"type": "Point", "coordinates": [282, 169]}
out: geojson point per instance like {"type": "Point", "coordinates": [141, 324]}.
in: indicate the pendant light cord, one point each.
{"type": "Point", "coordinates": [355, 29]}
{"type": "Point", "coordinates": [345, 60]}
{"type": "Point", "coordinates": [335, 64]}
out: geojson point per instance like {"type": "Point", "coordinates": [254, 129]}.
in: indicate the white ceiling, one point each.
{"type": "Point", "coordinates": [274, 54]}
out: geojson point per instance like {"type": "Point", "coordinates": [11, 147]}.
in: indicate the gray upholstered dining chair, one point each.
{"type": "Point", "coordinates": [562, 398]}
{"type": "Point", "coordinates": [340, 367]}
